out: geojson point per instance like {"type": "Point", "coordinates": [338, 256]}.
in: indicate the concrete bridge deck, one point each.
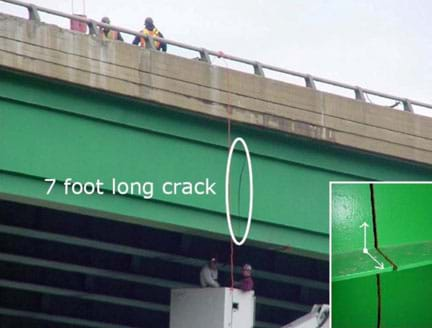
{"type": "Point", "coordinates": [198, 87]}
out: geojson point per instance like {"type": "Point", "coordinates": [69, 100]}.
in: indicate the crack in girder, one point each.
{"type": "Point", "coordinates": [375, 228]}
{"type": "Point", "coordinates": [352, 210]}
{"type": "Point", "coordinates": [399, 216]}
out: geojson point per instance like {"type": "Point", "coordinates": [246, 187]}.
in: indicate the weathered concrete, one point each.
{"type": "Point", "coordinates": [192, 85]}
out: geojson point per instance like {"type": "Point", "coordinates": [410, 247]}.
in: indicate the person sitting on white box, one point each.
{"type": "Point", "coordinates": [209, 274]}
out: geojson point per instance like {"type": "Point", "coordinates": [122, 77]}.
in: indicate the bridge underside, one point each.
{"type": "Point", "coordinates": [58, 267]}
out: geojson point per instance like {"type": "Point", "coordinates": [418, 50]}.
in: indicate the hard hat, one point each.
{"type": "Point", "coordinates": [247, 267]}
{"type": "Point", "coordinates": [148, 21]}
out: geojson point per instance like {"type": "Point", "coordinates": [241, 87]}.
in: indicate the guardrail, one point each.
{"type": "Point", "coordinates": [359, 93]}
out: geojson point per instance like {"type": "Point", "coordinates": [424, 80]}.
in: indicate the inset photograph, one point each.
{"type": "Point", "coordinates": [381, 243]}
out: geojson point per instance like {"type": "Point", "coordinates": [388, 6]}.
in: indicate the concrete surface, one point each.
{"type": "Point", "coordinates": [191, 85]}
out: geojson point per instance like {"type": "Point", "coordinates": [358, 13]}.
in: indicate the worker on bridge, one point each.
{"type": "Point", "coordinates": [209, 274]}
{"type": "Point", "coordinates": [246, 284]}
{"type": "Point", "coordinates": [150, 29]}
{"type": "Point", "coordinates": [105, 33]}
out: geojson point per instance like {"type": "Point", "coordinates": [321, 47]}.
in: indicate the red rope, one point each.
{"type": "Point", "coordinates": [229, 112]}
{"type": "Point", "coordinates": [232, 264]}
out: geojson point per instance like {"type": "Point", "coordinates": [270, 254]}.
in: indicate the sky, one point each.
{"type": "Point", "coordinates": [383, 45]}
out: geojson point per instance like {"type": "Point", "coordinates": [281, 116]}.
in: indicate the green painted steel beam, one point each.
{"type": "Point", "coordinates": [122, 249]}
{"type": "Point", "coordinates": [406, 297]}
{"type": "Point", "coordinates": [354, 303]}
{"type": "Point", "coordinates": [111, 299]}
{"type": "Point", "coordinates": [161, 215]}
{"type": "Point", "coordinates": [402, 228]}
{"type": "Point", "coordinates": [410, 256]}
{"type": "Point", "coordinates": [141, 141]}
{"type": "Point", "coordinates": [351, 207]}
{"type": "Point", "coordinates": [117, 147]}
{"type": "Point", "coordinates": [67, 267]}
{"type": "Point", "coordinates": [356, 264]}
{"type": "Point", "coordinates": [37, 288]}
{"type": "Point", "coordinates": [97, 135]}
{"type": "Point", "coordinates": [140, 279]}
{"type": "Point", "coordinates": [20, 314]}
{"type": "Point", "coordinates": [404, 223]}
{"type": "Point", "coordinates": [31, 90]}
{"type": "Point", "coordinates": [44, 289]}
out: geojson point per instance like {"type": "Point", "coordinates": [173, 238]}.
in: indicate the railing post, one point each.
{"type": "Point", "coordinates": [93, 26]}
{"type": "Point", "coordinates": [258, 69]}
{"type": "Point", "coordinates": [408, 106]}
{"type": "Point", "coordinates": [149, 42]}
{"type": "Point", "coordinates": [93, 29]}
{"type": "Point", "coordinates": [359, 94]}
{"type": "Point", "coordinates": [33, 13]}
{"type": "Point", "coordinates": [310, 82]}
{"type": "Point", "coordinates": [204, 55]}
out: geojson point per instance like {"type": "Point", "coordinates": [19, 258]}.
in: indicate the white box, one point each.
{"type": "Point", "coordinates": [212, 308]}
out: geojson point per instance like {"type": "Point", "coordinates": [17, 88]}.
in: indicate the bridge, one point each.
{"type": "Point", "coordinates": [74, 106]}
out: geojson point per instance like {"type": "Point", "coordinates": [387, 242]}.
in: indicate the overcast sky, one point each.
{"type": "Point", "coordinates": [384, 45]}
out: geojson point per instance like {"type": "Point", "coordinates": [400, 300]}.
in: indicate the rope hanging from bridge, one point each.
{"type": "Point", "coordinates": [229, 112]}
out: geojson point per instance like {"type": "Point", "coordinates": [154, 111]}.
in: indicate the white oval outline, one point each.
{"type": "Point", "coordinates": [227, 202]}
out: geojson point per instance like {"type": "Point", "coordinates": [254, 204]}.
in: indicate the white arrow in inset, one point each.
{"type": "Point", "coordinates": [380, 265]}
{"type": "Point", "coordinates": [364, 226]}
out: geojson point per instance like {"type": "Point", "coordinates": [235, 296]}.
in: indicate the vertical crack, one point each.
{"type": "Point", "coordinates": [376, 244]}
{"type": "Point", "coordinates": [378, 277]}
{"type": "Point", "coordinates": [378, 281]}
{"type": "Point", "coordinates": [375, 228]}
{"type": "Point", "coordinates": [372, 194]}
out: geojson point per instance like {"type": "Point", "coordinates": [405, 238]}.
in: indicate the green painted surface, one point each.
{"type": "Point", "coordinates": [157, 214]}
{"type": "Point", "coordinates": [55, 130]}
{"type": "Point", "coordinates": [409, 256]}
{"type": "Point", "coordinates": [356, 264]}
{"type": "Point", "coordinates": [351, 207]}
{"type": "Point", "coordinates": [404, 233]}
{"type": "Point", "coordinates": [354, 303]}
{"type": "Point", "coordinates": [404, 213]}
{"type": "Point", "coordinates": [406, 297]}
{"type": "Point", "coordinates": [404, 223]}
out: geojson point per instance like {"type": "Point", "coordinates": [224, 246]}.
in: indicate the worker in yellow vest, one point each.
{"type": "Point", "coordinates": [106, 33]}
{"type": "Point", "coordinates": [150, 29]}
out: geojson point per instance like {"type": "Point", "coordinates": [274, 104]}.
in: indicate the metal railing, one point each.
{"type": "Point", "coordinates": [360, 94]}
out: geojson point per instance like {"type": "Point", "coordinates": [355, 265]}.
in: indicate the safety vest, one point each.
{"type": "Point", "coordinates": [155, 32]}
{"type": "Point", "coordinates": [111, 35]}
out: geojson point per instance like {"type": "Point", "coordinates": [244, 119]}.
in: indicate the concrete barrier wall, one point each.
{"type": "Point", "coordinates": [191, 85]}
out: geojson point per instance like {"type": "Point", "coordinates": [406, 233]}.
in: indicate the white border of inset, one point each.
{"type": "Point", "coordinates": [330, 223]}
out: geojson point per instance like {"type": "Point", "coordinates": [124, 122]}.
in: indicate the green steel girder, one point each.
{"type": "Point", "coordinates": [404, 223]}
{"type": "Point", "coordinates": [55, 130]}
{"type": "Point", "coordinates": [354, 303]}
{"type": "Point", "coordinates": [184, 260]}
{"type": "Point", "coordinates": [405, 298]}
{"type": "Point", "coordinates": [351, 207]}
{"type": "Point", "coordinates": [55, 319]}
{"type": "Point", "coordinates": [156, 214]}
{"type": "Point", "coordinates": [97, 272]}
{"type": "Point", "coordinates": [401, 218]}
